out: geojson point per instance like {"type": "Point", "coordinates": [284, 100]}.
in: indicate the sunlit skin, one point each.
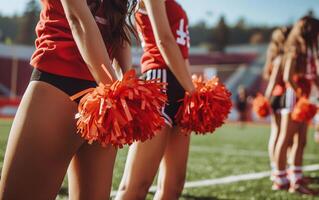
{"type": "Point", "coordinates": [43, 142]}
{"type": "Point", "coordinates": [273, 72]}
{"type": "Point", "coordinates": [168, 151]}
{"type": "Point", "coordinates": [291, 131]}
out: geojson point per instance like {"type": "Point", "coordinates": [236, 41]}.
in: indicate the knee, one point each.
{"type": "Point", "coordinates": [285, 142]}
{"type": "Point", "coordinates": [134, 191]}
{"type": "Point", "coordinates": [172, 190]}
{"type": "Point", "coordinates": [302, 143]}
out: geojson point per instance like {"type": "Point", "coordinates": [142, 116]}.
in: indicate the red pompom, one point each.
{"type": "Point", "coordinates": [304, 111]}
{"type": "Point", "coordinates": [206, 109]}
{"type": "Point", "coordinates": [261, 106]}
{"type": "Point", "coordinates": [123, 112]}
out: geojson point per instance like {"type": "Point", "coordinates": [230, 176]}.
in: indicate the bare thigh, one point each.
{"type": "Point", "coordinates": [299, 143]}
{"type": "Point", "coordinates": [90, 172]}
{"type": "Point", "coordinates": [41, 144]}
{"type": "Point", "coordinates": [288, 129]}
{"type": "Point", "coordinates": [141, 166]}
{"type": "Point", "coordinates": [275, 127]}
{"type": "Point", "coordinates": [275, 130]}
{"type": "Point", "coordinates": [173, 166]}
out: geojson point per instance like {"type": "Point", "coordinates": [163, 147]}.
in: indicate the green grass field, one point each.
{"type": "Point", "coordinates": [230, 151]}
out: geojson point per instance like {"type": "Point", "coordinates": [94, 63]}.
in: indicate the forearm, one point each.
{"type": "Point", "coordinates": [270, 88]}
{"type": "Point", "coordinates": [89, 40]}
{"type": "Point", "coordinates": [166, 42]}
{"type": "Point", "coordinates": [273, 79]}
{"type": "Point", "coordinates": [176, 63]}
{"type": "Point", "coordinates": [123, 58]}
{"type": "Point", "coordinates": [289, 73]}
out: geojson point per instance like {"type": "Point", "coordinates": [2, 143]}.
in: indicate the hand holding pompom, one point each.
{"type": "Point", "coordinates": [206, 109]}
{"type": "Point", "coordinates": [304, 111]}
{"type": "Point", "coordinates": [261, 106]}
{"type": "Point", "coordinates": [123, 112]}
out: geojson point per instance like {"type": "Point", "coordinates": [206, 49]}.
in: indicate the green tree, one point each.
{"type": "Point", "coordinates": [241, 24]}
{"type": "Point", "coordinates": [199, 33]}
{"type": "Point", "coordinates": [221, 34]}
{"type": "Point", "coordinates": [28, 23]}
{"type": "Point", "coordinates": [9, 27]}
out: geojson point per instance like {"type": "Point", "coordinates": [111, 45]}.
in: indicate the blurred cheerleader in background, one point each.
{"type": "Point", "coordinates": [300, 72]}
{"type": "Point", "coordinates": [273, 72]}
{"type": "Point", "coordinates": [242, 105]}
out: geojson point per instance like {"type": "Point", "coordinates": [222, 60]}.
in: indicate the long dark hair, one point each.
{"type": "Point", "coordinates": [278, 40]}
{"type": "Point", "coordinates": [303, 41]}
{"type": "Point", "coordinates": [119, 18]}
{"type": "Point", "coordinates": [276, 48]}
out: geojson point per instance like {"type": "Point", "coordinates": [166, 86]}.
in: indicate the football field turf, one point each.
{"type": "Point", "coordinates": [231, 151]}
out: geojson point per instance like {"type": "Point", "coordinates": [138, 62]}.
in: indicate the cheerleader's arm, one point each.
{"type": "Point", "coordinates": [122, 61]}
{"type": "Point", "coordinates": [93, 51]}
{"type": "Point", "coordinates": [268, 64]}
{"type": "Point", "coordinates": [166, 43]}
{"type": "Point", "coordinates": [274, 77]}
{"type": "Point", "coordinates": [289, 72]}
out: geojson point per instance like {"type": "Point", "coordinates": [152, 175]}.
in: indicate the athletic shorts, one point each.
{"type": "Point", "coordinates": [70, 86]}
{"type": "Point", "coordinates": [277, 103]}
{"type": "Point", "coordinates": [290, 101]}
{"type": "Point", "coordinates": [175, 92]}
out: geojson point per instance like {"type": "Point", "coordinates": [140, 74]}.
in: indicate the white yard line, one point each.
{"type": "Point", "coordinates": [230, 179]}
{"type": "Point", "coordinates": [240, 152]}
{"type": "Point", "coordinates": [238, 178]}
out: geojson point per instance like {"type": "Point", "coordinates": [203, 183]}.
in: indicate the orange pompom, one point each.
{"type": "Point", "coordinates": [123, 112]}
{"type": "Point", "coordinates": [206, 109]}
{"type": "Point", "coordinates": [261, 106]}
{"type": "Point", "coordinates": [303, 111]}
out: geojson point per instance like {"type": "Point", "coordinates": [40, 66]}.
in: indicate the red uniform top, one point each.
{"type": "Point", "coordinates": [152, 58]}
{"type": "Point", "coordinates": [56, 51]}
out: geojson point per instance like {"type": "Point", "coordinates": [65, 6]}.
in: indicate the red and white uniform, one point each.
{"type": "Point", "coordinates": [152, 58]}
{"type": "Point", "coordinates": [56, 51]}
{"type": "Point", "coordinates": [303, 81]}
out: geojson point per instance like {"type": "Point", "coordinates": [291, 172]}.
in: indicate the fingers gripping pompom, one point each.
{"type": "Point", "coordinates": [206, 109]}
{"type": "Point", "coordinates": [123, 112]}
{"type": "Point", "coordinates": [304, 111]}
{"type": "Point", "coordinates": [261, 106]}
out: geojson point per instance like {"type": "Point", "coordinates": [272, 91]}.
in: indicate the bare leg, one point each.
{"type": "Point", "coordinates": [141, 166]}
{"type": "Point", "coordinates": [90, 172]}
{"type": "Point", "coordinates": [297, 183]}
{"type": "Point", "coordinates": [288, 129]}
{"type": "Point", "coordinates": [41, 144]}
{"type": "Point", "coordinates": [173, 166]}
{"type": "Point", "coordinates": [300, 140]}
{"type": "Point", "coordinates": [274, 135]}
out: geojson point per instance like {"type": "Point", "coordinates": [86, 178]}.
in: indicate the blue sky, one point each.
{"type": "Point", "coordinates": [266, 12]}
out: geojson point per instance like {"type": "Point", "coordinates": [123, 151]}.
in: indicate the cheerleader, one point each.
{"type": "Point", "coordinates": [242, 105]}
{"type": "Point", "coordinates": [301, 53]}
{"type": "Point", "coordinates": [74, 38]}
{"type": "Point", "coordinates": [273, 72]}
{"type": "Point", "coordinates": [163, 29]}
